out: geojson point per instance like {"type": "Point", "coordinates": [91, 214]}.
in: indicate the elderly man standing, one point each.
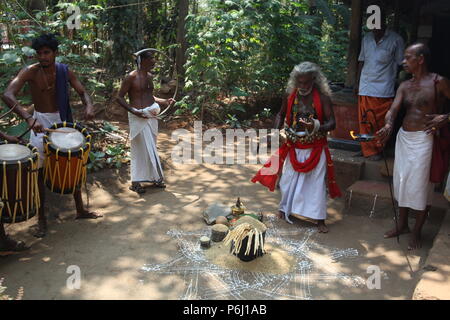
{"type": "Point", "coordinates": [381, 55]}
{"type": "Point", "coordinates": [304, 158]}
{"type": "Point", "coordinates": [421, 97]}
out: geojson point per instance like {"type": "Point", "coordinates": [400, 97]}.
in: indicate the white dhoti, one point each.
{"type": "Point", "coordinates": [37, 140]}
{"type": "Point", "coordinates": [412, 186]}
{"type": "Point", "coordinates": [145, 162]}
{"type": "Point", "coordinates": [304, 194]}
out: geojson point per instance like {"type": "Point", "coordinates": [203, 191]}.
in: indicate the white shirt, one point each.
{"type": "Point", "coordinates": [381, 61]}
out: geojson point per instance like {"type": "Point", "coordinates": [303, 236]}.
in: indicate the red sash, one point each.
{"type": "Point", "coordinates": [268, 175]}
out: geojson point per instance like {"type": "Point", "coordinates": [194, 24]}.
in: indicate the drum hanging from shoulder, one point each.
{"type": "Point", "coordinates": [67, 147]}
{"type": "Point", "coordinates": [19, 182]}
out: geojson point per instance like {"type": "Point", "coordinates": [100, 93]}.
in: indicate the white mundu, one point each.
{"type": "Point", "coordinates": [145, 162]}
{"type": "Point", "coordinates": [412, 187]}
{"type": "Point", "coordinates": [304, 194]}
{"type": "Point", "coordinates": [36, 140]}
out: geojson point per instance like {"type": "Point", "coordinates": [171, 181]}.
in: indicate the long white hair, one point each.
{"type": "Point", "coordinates": [320, 81]}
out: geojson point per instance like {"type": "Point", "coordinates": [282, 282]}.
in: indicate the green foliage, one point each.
{"type": "Point", "coordinates": [107, 155]}
{"type": "Point", "coordinates": [114, 156]}
{"type": "Point", "coordinates": [266, 113]}
{"type": "Point", "coordinates": [247, 48]}
{"type": "Point", "coordinates": [76, 48]}
{"type": "Point", "coordinates": [233, 121]}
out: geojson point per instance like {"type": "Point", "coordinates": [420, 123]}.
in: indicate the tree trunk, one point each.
{"type": "Point", "coordinates": [315, 28]}
{"type": "Point", "coordinates": [33, 5]}
{"type": "Point", "coordinates": [183, 9]}
{"type": "Point", "coordinates": [415, 21]}
{"type": "Point", "coordinates": [397, 16]}
{"type": "Point", "coordinates": [354, 44]}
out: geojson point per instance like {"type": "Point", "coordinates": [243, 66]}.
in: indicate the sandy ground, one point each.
{"type": "Point", "coordinates": [111, 251]}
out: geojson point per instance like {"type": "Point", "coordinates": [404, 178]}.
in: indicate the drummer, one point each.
{"type": "Point", "coordinates": [48, 81]}
{"type": "Point", "coordinates": [6, 243]}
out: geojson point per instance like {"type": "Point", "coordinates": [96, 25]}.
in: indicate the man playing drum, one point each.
{"type": "Point", "coordinates": [143, 108]}
{"type": "Point", "coordinates": [48, 82]}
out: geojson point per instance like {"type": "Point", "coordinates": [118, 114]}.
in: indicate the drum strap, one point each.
{"type": "Point", "coordinates": [62, 92]}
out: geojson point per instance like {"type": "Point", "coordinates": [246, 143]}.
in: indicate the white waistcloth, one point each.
{"type": "Point", "coordinates": [304, 194]}
{"type": "Point", "coordinates": [150, 111]}
{"type": "Point", "coordinates": [47, 120]}
{"type": "Point", "coordinates": [381, 62]}
{"type": "Point", "coordinates": [412, 186]}
{"type": "Point", "coordinates": [145, 162]}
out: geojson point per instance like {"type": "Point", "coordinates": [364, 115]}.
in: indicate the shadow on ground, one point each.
{"type": "Point", "coordinates": [111, 251]}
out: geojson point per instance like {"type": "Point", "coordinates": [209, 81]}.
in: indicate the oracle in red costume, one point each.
{"type": "Point", "coordinates": [268, 177]}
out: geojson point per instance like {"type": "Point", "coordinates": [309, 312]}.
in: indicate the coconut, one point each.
{"type": "Point", "coordinates": [222, 220]}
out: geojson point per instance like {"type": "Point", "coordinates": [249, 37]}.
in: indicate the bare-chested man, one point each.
{"type": "Point", "coordinates": [48, 84]}
{"type": "Point", "coordinates": [421, 97]}
{"type": "Point", "coordinates": [143, 109]}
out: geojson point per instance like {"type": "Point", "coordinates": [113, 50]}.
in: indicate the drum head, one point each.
{"type": "Point", "coordinates": [12, 152]}
{"type": "Point", "coordinates": [72, 140]}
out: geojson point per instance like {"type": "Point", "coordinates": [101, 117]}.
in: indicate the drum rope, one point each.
{"type": "Point", "coordinates": [85, 157]}
{"type": "Point", "coordinates": [67, 169]}
{"type": "Point", "coordinates": [29, 187]}
{"type": "Point", "coordinates": [78, 169]}
{"type": "Point", "coordinates": [17, 194]}
{"type": "Point", "coordinates": [5, 187]}
{"type": "Point", "coordinates": [35, 176]}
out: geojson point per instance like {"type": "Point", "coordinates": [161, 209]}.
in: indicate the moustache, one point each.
{"type": "Point", "coordinates": [305, 92]}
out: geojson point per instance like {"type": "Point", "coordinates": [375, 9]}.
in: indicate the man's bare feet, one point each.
{"type": "Point", "coordinates": [10, 245]}
{"type": "Point", "coordinates": [322, 227]}
{"type": "Point", "coordinates": [136, 187]}
{"type": "Point", "coordinates": [393, 233]}
{"type": "Point", "coordinates": [414, 241]}
{"type": "Point", "coordinates": [40, 230]}
{"type": "Point", "coordinates": [280, 215]}
{"type": "Point", "coordinates": [87, 215]}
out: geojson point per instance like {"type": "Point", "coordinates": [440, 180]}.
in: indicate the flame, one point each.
{"type": "Point", "coordinates": [352, 134]}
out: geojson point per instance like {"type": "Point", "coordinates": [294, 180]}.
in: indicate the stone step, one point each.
{"type": "Point", "coordinates": [348, 169]}
{"type": "Point", "coordinates": [390, 164]}
{"type": "Point", "coordinates": [373, 199]}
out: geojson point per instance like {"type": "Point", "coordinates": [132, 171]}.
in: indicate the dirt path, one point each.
{"type": "Point", "coordinates": [112, 251]}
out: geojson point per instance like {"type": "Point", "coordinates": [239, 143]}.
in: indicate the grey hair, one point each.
{"type": "Point", "coordinates": [320, 81]}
